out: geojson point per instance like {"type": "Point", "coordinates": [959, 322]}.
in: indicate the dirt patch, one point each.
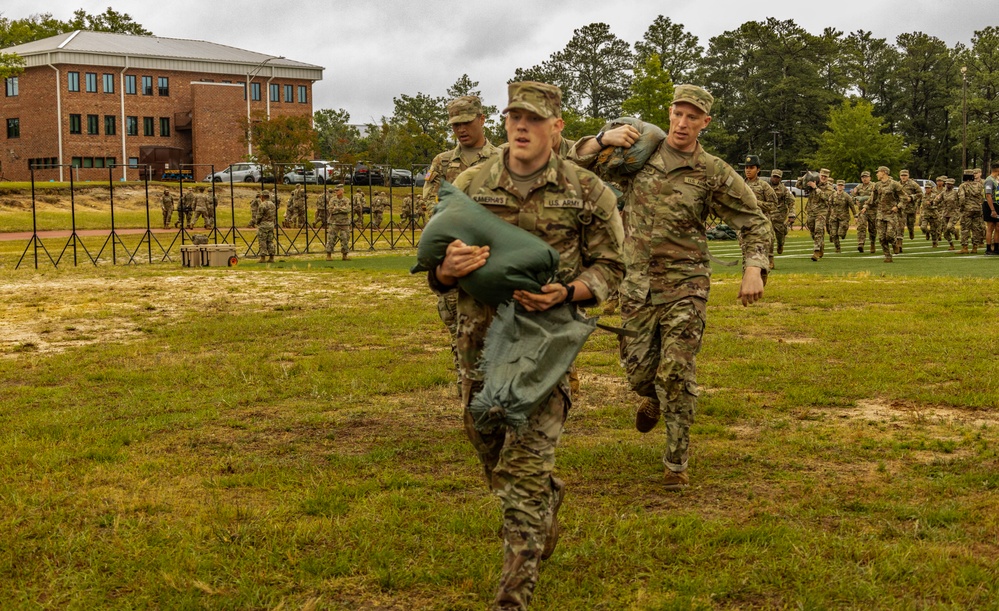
{"type": "Point", "coordinates": [878, 410]}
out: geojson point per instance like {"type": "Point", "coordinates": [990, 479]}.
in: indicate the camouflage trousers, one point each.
{"type": "Point", "coordinates": [167, 214]}
{"type": "Point", "coordinates": [887, 228]}
{"type": "Point", "coordinates": [338, 233]}
{"type": "Point", "coordinates": [931, 225]}
{"type": "Point", "coordinates": [518, 465]}
{"type": "Point", "coordinates": [266, 240]}
{"type": "Point", "coordinates": [201, 214]}
{"type": "Point", "coordinates": [780, 232]}
{"type": "Point", "coordinates": [910, 224]}
{"type": "Point", "coordinates": [183, 218]}
{"type": "Point", "coordinates": [866, 226]}
{"type": "Point", "coordinates": [447, 308]}
{"type": "Point", "coordinates": [376, 218]}
{"type": "Point", "coordinates": [838, 228]}
{"type": "Point", "coordinates": [972, 226]}
{"type": "Point", "coordinates": [950, 232]}
{"type": "Point", "coordinates": [816, 224]}
{"type": "Point", "coordinates": [661, 365]}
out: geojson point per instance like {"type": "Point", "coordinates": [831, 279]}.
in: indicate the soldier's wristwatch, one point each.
{"type": "Point", "coordinates": [570, 290]}
{"type": "Point", "coordinates": [600, 139]}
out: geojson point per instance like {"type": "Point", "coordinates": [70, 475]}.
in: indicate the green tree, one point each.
{"type": "Point", "coordinates": [982, 62]}
{"type": "Point", "coordinates": [598, 67]}
{"type": "Point", "coordinates": [108, 21]}
{"type": "Point", "coordinates": [282, 140]}
{"type": "Point", "coordinates": [855, 140]}
{"type": "Point", "coordinates": [651, 93]}
{"type": "Point", "coordinates": [678, 50]}
{"type": "Point", "coordinates": [11, 64]}
{"type": "Point", "coordinates": [871, 67]}
{"type": "Point", "coordinates": [336, 138]}
{"type": "Point", "coordinates": [577, 126]}
{"type": "Point", "coordinates": [427, 112]}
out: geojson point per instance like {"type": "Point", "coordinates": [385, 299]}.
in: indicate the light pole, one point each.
{"type": "Point", "coordinates": [775, 132]}
{"type": "Point", "coordinates": [964, 138]}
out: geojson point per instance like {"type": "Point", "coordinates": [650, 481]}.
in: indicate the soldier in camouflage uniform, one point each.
{"type": "Point", "coordinates": [201, 203]}
{"type": "Point", "coordinates": [887, 199]}
{"type": "Point", "coordinates": [322, 206]}
{"type": "Point", "coordinates": [819, 199]}
{"type": "Point", "coordinates": [421, 210]}
{"type": "Point", "coordinates": [766, 198]}
{"type": "Point", "coordinates": [839, 214]}
{"type": "Point", "coordinates": [467, 120]}
{"type": "Point", "coordinates": [266, 219]}
{"type": "Point", "coordinates": [254, 210]}
{"type": "Point", "coordinates": [970, 196]}
{"type": "Point", "coordinates": [951, 213]}
{"type": "Point", "coordinates": [294, 214]}
{"type": "Point", "coordinates": [166, 205]}
{"type": "Point", "coordinates": [867, 225]}
{"type": "Point", "coordinates": [930, 221]}
{"type": "Point", "coordinates": [406, 215]}
{"type": "Point", "coordinates": [665, 290]}
{"type": "Point", "coordinates": [785, 205]}
{"type": "Point", "coordinates": [915, 193]}
{"type": "Point", "coordinates": [338, 219]}
{"type": "Point", "coordinates": [358, 209]}
{"type": "Point", "coordinates": [379, 205]}
{"type": "Point", "coordinates": [573, 211]}
{"type": "Point", "coordinates": [186, 210]}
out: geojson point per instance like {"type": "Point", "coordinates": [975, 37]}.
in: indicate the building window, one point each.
{"type": "Point", "coordinates": [43, 163]}
{"type": "Point", "coordinates": [289, 93]}
{"type": "Point", "coordinates": [164, 126]}
{"type": "Point", "coordinates": [93, 125]}
{"type": "Point", "coordinates": [130, 84]}
{"type": "Point", "coordinates": [133, 162]}
{"type": "Point", "coordinates": [147, 126]}
{"type": "Point", "coordinates": [132, 126]}
{"type": "Point", "coordinates": [11, 86]}
{"type": "Point", "coordinates": [98, 162]}
{"type": "Point", "coordinates": [13, 128]}
{"type": "Point", "coordinates": [91, 81]}
{"type": "Point", "coordinates": [77, 162]}
{"type": "Point", "coordinates": [255, 92]}
{"type": "Point", "coordinates": [74, 81]}
{"type": "Point", "coordinates": [110, 125]}
{"type": "Point", "coordinates": [163, 84]}
{"type": "Point", "coordinates": [303, 94]}
{"type": "Point", "coordinates": [88, 162]}
{"type": "Point", "coordinates": [74, 124]}
{"type": "Point", "coordinates": [147, 85]}
{"type": "Point", "coordinates": [108, 83]}
{"type": "Point", "coordinates": [275, 92]}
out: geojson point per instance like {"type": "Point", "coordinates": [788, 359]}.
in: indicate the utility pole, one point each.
{"type": "Point", "coordinates": [964, 138]}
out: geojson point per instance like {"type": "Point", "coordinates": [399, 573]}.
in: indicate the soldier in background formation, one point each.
{"type": "Point", "coordinates": [203, 209]}
{"type": "Point", "coordinates": [970, 196]}
{"type": "Point", "coordinates": [186, 210]}
{"type": "Point", "coordinates": [322, 205]}
{"type": "Point", "coordinates": [337, 218]}
{"type": "Point", "coordinates": [358, 209]}
{"type": "Point", "coordinates": [907, 219]}
{"type": "Point", "coordinates": [785, 206]}
{"type": "Point", "coordinates": [408, 214]}
{"type": "Point", "coordinates": [887, 199]}
{"type": "Point", "coordinates": [254, 210]}
{"type": "Point", "coordinates": [930, 220]}
{"type": "Point", "coordinates": [867, 224]}
{"type": "Point", "coordinates": [819, 199]}
{"type": "Point", "coordinates": [839, 214]}
{"type": "Point", "coordinates": [294, 216]}
{"type": "Point", "coordinates": [766, 198]}
{"type": "Point", "coordinates": [951, 213]}
{"type": "Point", "coordinates": [266, 219]}
{"type": "Point", "coordinates": [166, 205]}
{"type": "Point", "coordinates": [379, 205]}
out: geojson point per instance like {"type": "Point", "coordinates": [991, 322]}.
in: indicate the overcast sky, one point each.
{"type": "Point", "coordinates": [373, 50]}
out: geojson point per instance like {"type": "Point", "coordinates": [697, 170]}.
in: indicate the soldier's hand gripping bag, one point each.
{"type": "Point", "coordinates": [620, 160]}
{"type": "Point", "coordinates": [517, 259]}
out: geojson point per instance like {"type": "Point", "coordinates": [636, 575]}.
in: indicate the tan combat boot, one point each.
{"type": "Point", "coordinates": [343, 256]}
{"type": "Point", "coordinates": [873, 248]}
{"type": "Point", "coordinates": [964, 249]}
{"type": "Point", "coordinates": [816, 255]}
{"type": "Point", "coordinates": [676, 480]}
{"type": "Point", "coordinates": [263, 258]}
{"type": "Point", "coordinates": [270, 259]}
{"type": "Point", "coordinates": [329, 256]}
{"type": "Point", "coordinates": [648, 415]}
{"type": "Point", "coordinates": [771, 259]}
{"type": "Point", "coordinates": [888, 259]}
{"type": "Point", "coordinates": [974, 249]}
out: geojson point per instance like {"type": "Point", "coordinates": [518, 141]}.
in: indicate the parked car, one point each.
{"type": "Point", "coordinates": [401, 178]}
{"type": "Point", "coordinates": [364, 176]}
{"type": "Point", "coordinates": [319, 173]}
{"type": "Point", "coordinates": [795, 191]}
{"type": "Point", "coordinates": [237, 172]}
{"type": "Point", "coordinates": [924, 182]}
{"type": "Point", "coordinates": [849, 187]}
{"type": "Point", "coordinates": [421, 178]}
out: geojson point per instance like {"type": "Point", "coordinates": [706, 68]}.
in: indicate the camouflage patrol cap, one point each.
{"type": "Point", "coordinates": [865, 173]}
{"type": "Point", "coordinates": [265, 195]}
{"type": "Point", "coordinates": [692, 94]}
{"type": "Point", "coordinates": [884, 169]}
{"type": "Point", "coordinates": [751, 160]}
{"type": "Point", "coordinates": [941, 179]}
{"type": "Point", "coordinates": [903, 173]}
{"type": "Point", "coordinates": [166, 190]}
{"type": "Point", "coordinates": [840, 183]}
{"type": "Point", "coordinates": [542, 99]}
{"type": "Point", "coordinates": [949, 181]}
{"type": "Point", "coordinates": [977, 172]}
{"type": "Point", "coordinates": [776, 173]}
{"type": "Point", "coordinates": [464, 109]}
{"type": "Point", "coordinates": [824, 172]}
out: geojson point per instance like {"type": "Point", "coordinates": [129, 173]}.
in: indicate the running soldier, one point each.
{"type": "Point", "coordinates": [819, 198]}
{"type": "Point", "coordinates": [930, 219]}
{"type": "Point", "coordinates": [867, 223]}
{"type": "Point", "coordinates": [379, 204]}
{"type": "Point", "coordinates": [766, 198]}
{"type": "Point", "coordinates": [951, 212]}
{"type": "Point", "coordinates": [908, 218]}
{"type": "Point", "coordinates": [785, 205]}
{"type": "Point", "coordinates": [970, 196]}
{"type": "Point", "coordinates": [886, 200]}
{"type": "Point", "coordinates": [839, 214]}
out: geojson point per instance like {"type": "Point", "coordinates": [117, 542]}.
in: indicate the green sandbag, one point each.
{"type": "Point", "coordinates": [620, 160]}
{"type": "Point", "coordinates": [517, 259]}
{"type": "Point", "coordinates": [524, 357]}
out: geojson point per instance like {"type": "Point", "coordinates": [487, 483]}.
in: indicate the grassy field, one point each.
{"type": "Point", "coordinates": [284, 436]}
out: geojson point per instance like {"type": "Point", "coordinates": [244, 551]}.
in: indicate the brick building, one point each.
{"type": "Point", "coordinates": [92, 99]}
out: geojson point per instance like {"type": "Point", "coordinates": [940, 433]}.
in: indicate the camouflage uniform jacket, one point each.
{"type": "Point", "coordinates": [564, 147]}
{"type": "Point", "coordinates": [819, 198]}
{"type": "Point", "coordinates": [863, 191]}
{"type": "Point", "coordinates": [166, 201]}
{"type": "Point", "coordinates": [666, 205]}
{"type": "Point", "coordinates": [585, 228]}
{"type": "Point", "coordinates": [187, 202]}
{"type": "Point", "coordinates": [338, 212]}
{"type": "Point", "coordinates": [842, 206]}
{"type": "Point", "coordinates": [379, 203]}
{"type": "Point", "coordinates": [915, 193]}
{"type": "Point", "coordinates": [887, 194]}
{"type": "Point", "coordinates": [255, 210]}
{"type": "Point", "coordinates": [785, 203]}
{"type": "Point", "coordinates": [971, 194]}
{"type": "Point", "coordinates": [201, 202]}
{"type": "Point", "coordinates": [448, 165]}
{"type": "Point", "coordinates": [267, 214]}
{"type": "Point", "coordinates": [766, 198]}
{"type": "Point", "coordinates": [948, 203]}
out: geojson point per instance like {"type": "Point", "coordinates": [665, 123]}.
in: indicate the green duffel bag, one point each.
{"type": "Point", "coordinates": [517, 259]}
{"type": "Point", "coordinates": [620, 160]}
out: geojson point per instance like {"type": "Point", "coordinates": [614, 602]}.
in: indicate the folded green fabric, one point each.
{"type": "Point", "coordinates": [525, 356]}
{"type": "Point", "coordinates": [517, 259]}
